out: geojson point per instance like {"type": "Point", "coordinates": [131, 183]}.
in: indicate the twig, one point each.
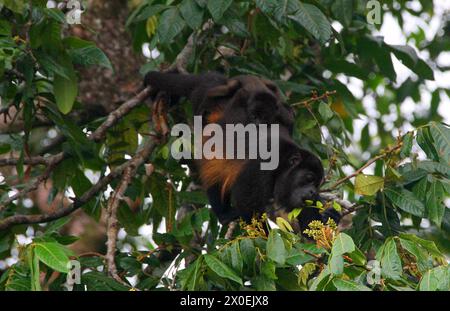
{"type": "Point", "coordinates": [352, 209]}
{"type": "Point", "coordinates": [314, 98]}
{"type": "Point", "coordinates": [27, 161]}
{"type": "Point", "coordinates": [231, 226]}
{"type": "Point", "coordinates": [113, 224]}
{"type": "Point", "coordinates": [182, 59]}
{"type": "Point", "coordinates": [362, 168]}
{"type": "Point", "coordinates": [51, 163]}
{"type": "Point", "coordinates": [311, 254]}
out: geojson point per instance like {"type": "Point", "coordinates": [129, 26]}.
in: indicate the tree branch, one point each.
{"type": "Point", "coordinates": [331, 196]}
{"type": "Point", "coordinates": [117, 114]}
{"type": "Point", "coordinates": [27, 161]}
{"type": "Point", "coordinates": [78, 202]}
{"type": "Point", "coordinates": [113, 204]}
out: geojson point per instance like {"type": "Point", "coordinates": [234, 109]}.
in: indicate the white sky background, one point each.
{"type": "Point", "coordinates": [393, 34]}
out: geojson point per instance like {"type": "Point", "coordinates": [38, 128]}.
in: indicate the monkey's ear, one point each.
{"type": "Point", "coordinates": [224, 90]}
{"type": "Point", "coordinates": [271, 86]}
{"type": "Point", "coordinates": [295, 159]}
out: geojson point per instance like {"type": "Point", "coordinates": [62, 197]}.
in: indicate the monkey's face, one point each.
{"type": "Point", "coordinates": [299, 180]}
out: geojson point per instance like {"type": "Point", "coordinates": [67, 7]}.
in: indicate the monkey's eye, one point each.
{"type": "Point", "coordinates": [295, 160]}
{"type": "Point", "coordinates": [309, 177]}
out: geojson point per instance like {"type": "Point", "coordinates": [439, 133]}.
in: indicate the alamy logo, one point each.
{"type": "Point", "coordinates": [374, 274]}
{"type": "Point", "coordinates": [374, 14]}
{"type": "Point", "coordinates": [238, 142]}
{"type": "Point", "coordinates": [74, 274]}
{"type": "Point", "coordinates": [71, 8]}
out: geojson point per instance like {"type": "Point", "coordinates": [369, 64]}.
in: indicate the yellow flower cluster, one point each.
{"type": "Point", "coordinates": [324, 235]}
{"type": "Point", "coordinates": [256, 227]}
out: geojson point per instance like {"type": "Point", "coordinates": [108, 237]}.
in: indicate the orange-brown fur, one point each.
{"type": "Point", "coordinates": [219, 171]}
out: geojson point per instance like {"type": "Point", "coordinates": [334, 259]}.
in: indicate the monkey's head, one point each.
{"type": "Point", "coordinates": [298, 180]}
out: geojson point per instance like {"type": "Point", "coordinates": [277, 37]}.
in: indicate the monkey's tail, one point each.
{"type": "Point", "coordinates": [175, 84]}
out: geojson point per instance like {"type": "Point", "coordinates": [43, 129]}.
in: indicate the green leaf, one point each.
{"type": "Point", "coordinates": [358, 257]}
{"type": "Point", "coordinates": [337, 207]}
{"type": "Point", "coordinates": [305, 273]}
{"type": "Point", "coordinates": [425, 141]}
{"type": "Point", "coordinates": [406, 201]}
{"type": "Point", "coordinates": [284, 225]}
{"type": "Point", "coordinates": [218, 7]}
{"type": "Point", "coordinates": [236, 257]}
{"type": "Point", "coordinates": [423, 70]}
{"type": "Point", "coordinates": [441, 137]}
{"type": "Point", "coordinates": [343, 285]}
{"type": "Point", "coordinates": [90, 55]}
{"type": "Point", "coordinates": [232, 21]}
{"type": "Point", "coordinates": [34, 268]}
{"type": "Point", "coordinates": [5, 28]}
{"type": "Point", "coordinates": [248, 251]}
{"type": "Point", "coordinates": [321, 280]}
{"type": "Point", "coordinates": [434, 204]}
{"type": "Point", "coordinates": [407, 145]}
{"type": "Point", "coordinates": [268, 269]}
{"type": "Point", "coordinates": [14, 5]}
{"type": "Point", "coordinates": [221, 269]}
{"type": "Point", "coordinates": [325, 111]}
{"type": "Point", "coordinates": [98, 281]}
{"type": "Point", "coordinates": [171, 24]}
{"type": "Point", "coordinates": [148, 12]}
{"type": "Point", "coordinates": [192, 13]}
{"type": "Point", "coordinates": [51, 65]}
{"type": "Point", "coordinates": [368, 184]}
{"type": "Point", "coordinates": [406, 54]}
{"type": "Point", "coordinates": [391, 265]}
{"type": "Point", "coordinates": [343, 244]}
{"type": "Point", "coordinates": [336, 264]}
{"type": "Point", "coordinates": [66, 91]}
{"type": "Point", "coordinates": [53, 255]}
{"type": "Point", "coordinates": [262, 283]}
{"type": "Point", "coordinates": [430, 246]}
{"type": "Point", "coordinates": [313, 20]}
{"type": "Point", "coordinates": [55, 225]}
{"type": "Point", "coordinates": [294, 213]}
{"type": "Point", "coordinates": [275, 247]}
{"type": "Point", "coordinates": [422, 256]}
{"type": "Point", "coordinates": [56, 14]}
{"type": "Point", "coordinates": [435, 168]}
{"type": "Point", "coordinates": [343, 11]}
{"type": "Point", "coordinates": [436, 279]}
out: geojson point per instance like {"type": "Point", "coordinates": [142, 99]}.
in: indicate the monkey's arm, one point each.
{"type": "Point", "coordinates": [174, 84]}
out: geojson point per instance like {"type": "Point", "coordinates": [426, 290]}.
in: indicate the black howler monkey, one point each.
{"type": "Point", "coordinates": [239, 188]}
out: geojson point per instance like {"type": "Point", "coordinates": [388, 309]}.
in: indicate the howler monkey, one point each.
{"type": "Point", "coordinates": [239, 188]}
